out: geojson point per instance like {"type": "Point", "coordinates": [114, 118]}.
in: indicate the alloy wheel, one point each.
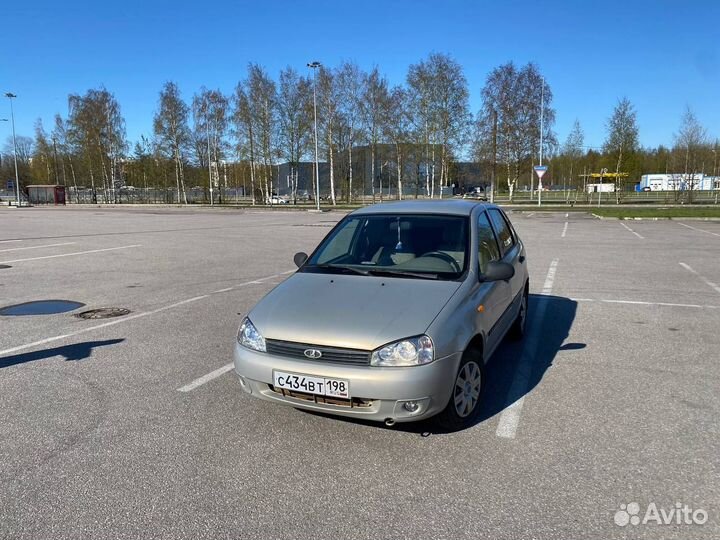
{"type": "Point", "coordinates": [467, 389]}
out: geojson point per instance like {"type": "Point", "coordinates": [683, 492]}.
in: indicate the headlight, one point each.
{"type": "Point", "coordinates": [408, 352]}
{"type": "Point", "coordinates": [249, 337]}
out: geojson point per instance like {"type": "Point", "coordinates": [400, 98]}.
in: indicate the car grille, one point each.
{"type": "Point", "coordinates": [356, 357]}
{"type": "Point", "coordinates": [326, 400]}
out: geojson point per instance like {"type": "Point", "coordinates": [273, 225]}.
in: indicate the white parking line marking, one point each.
{"type": "Point", "coordinates": [642, 303]}
{"type": "Point", "coordinates": [510, 417]}
{"type": "Point", "coordinates": [125, 319]}
{"type": "Point", "coordinates": [706, 280]}
{"type": "Point", "coordinates": [37, 247]}
{"type": "Point", "coordinates": [550, 279]}
{"type": "Point", "coordinates": [206, 378]}
{"type": "Point", "coordinates": [70, 254]}
{"type": "Point", "coordinates": [5, 241]}
{"type": "Point", "coordinates": [629, 229]}
{"type": "Point", "coordinates": [564, 230]}
{"type": "Point", "coordinates": [696, 229]}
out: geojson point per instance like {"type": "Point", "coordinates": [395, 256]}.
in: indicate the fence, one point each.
{"type": "Point", "coordinates": [625, 197]}
{"type": "Point", "coordinates": [235, 196]}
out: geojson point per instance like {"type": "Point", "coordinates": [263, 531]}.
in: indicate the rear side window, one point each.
{"type": "Point", "coordinates": [487, 245]}
{"type": "Point", "coordinates": [502, 228]}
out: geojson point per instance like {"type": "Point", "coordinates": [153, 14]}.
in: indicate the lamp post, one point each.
{"type": "Point", "coordinates": [542, 128]}
{"type": "Point", "coordinates": [11, 96]}
{"type": "Point", "coordinates": [3, 120]}
{"type": "Point", "coordinates": [210, 178]}
{"type": "Point", "coordinates": [314, 65]}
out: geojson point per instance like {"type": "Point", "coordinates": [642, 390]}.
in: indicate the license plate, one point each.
{"type": "Point", "coordinates": [319, 386]}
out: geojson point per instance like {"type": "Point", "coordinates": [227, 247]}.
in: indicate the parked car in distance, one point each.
{"type": "Point", "coordinates": [476, 193]}
{"type": "Point", "coordinates": [393, 317]}
{"type": "Point", "coordinates": [277, 200]}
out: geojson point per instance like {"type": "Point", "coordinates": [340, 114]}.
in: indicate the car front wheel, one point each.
{"type": "Point", "coordinates": [463, 406]}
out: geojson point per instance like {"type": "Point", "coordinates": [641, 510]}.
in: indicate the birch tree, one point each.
{"type": "Point", "coordinates": [573, 147]}
{"type": "Point", "coordinates": [373, 105]}
{"type": "Point", "coordinates": [690, 140]}
{"type": "Point", "coordinates": [622, 134]}
{"type": "Point", "coordinates": [350, 82]}
{"type": "Point", "coordinates": [511, 99]}
{"type": "Point", "coordinates": [262, 97]}
{"type": "Point", "coordinates": [328, 98]}
{"type": "Point", "coordinates": [41, 157]}
{"type": "Point", "coordinates": [62, 150]}
{"type": "Point", "coordinates": [173, 133]}
{"type": "Point", "coordinates": [396, 130]}
{"type": "Point", "coordinates": [421, 96]}
{"type": "Point", "coordinates": [96, 129]}
{"type": "Point", "coordinates": [294, 121]}
{"type": "Point", "coordinates": [210, 109]}
{"type": "Point", "coordinates": [443, 97]}
{"type": "Point", "coordinates": [244, 130]}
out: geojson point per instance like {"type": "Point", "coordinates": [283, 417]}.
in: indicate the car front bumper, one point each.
{"type": "Point", "coordinates": [379, 393]}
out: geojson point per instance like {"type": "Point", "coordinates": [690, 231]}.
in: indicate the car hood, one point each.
{"type": "Point", "coordinates": [359, 312]}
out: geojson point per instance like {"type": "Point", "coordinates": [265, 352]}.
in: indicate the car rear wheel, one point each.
{"type": "Point", "coordinates": [463, 406]}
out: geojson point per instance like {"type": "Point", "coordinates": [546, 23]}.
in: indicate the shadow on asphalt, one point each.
{"type": "Point", "coordinates": [500, 372]}
{"type": "Point", "coordinates": [76, 351]}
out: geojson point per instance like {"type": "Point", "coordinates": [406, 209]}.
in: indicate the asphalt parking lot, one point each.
{"type": "Point", "coordinates": [136, 427]}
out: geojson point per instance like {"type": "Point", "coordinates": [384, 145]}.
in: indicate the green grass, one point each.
{"type": "Point", "coordinates": [674, 212]}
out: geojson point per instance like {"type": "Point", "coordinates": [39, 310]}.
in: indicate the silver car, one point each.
{"type": "Point", "coordinates": [393, 317]}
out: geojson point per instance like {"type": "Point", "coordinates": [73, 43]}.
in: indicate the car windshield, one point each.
{"type": "Point", "coordinates": [403, 246]}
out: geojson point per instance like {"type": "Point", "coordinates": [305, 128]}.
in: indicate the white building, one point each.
{"type": "Point", "coordinates": [605, 187]}
{"type": "Point", "coordinates": [678, 182]}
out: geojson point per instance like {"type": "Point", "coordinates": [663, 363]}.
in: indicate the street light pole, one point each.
{"type": "Point", "coordinates": [314, 65]}
{"type": "Point", "coordinates": [11, 96]}
{"type": "Point", "coordinates": [210, 178]}
{"type": "Point", "coordinates": [542, 126]}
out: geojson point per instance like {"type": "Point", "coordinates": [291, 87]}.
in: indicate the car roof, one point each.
{"type": "Point", "coordinates": [458, 207]}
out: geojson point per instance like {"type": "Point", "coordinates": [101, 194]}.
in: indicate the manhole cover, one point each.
{"type": "Point", "coordinates": [40, 307]}
{"type": "Point", "coordinates": [103, 313]}
{"type": "Point", "coordinates": [5, 266]}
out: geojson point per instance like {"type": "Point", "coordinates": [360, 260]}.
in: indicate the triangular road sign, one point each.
{"type": "Point", "coordinates": [540, 170]}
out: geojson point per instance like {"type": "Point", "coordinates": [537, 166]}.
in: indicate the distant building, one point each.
{"type": "Point", "coordinates": [606, 187]}
{"type": "Point", "coordinates": [415, 167]}
{"type": "Point", "coordinates": [46, 194]}
{"type": "Point", "coordinates": [678, 182]}
{"type": "Point", "coordinates": [305, 174]}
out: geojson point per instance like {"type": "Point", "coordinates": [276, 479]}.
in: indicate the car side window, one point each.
{"type": "Point", "coordinates": [502, 228]}
{"type": "Point", "coordinates": [487, 244]}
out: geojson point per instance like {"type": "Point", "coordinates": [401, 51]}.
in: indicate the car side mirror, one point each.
{"type": "Point", "coordinates": [300, 258]}
{"type": "Point", "coordinates": [498, 271]}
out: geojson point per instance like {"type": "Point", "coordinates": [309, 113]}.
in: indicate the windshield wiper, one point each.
{"type": "Point", "coordinates": [347, 269]}
{"type": "Point", "coordinates": [400, 273]}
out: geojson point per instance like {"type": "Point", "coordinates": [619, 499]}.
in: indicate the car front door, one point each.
{"type": "Point", "coordinates": [491, 298]}
{"type": "Point", "coordinates": [511, 252]}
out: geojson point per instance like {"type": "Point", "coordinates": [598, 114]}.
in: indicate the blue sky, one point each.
{"type": "Point", "coordinates": [662, 55]}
